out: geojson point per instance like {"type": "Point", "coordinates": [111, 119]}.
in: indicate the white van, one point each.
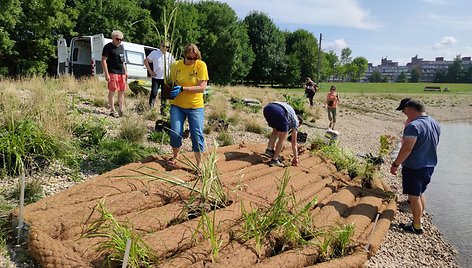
{"type": "Point", "coordinates": [84, 56]}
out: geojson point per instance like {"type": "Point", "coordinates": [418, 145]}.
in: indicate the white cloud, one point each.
{"type": "Point", "coordinates": [446, 42]}
{"type": "Point", "coordinates": [343, 13]}
{"type": "Point", "coordinates": [337, 45]}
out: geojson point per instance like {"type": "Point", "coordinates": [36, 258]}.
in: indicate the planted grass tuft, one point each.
{"type": "Point", "coordinates": [116, 235]}
{"type": "Point", "coordinates": [133, 128]}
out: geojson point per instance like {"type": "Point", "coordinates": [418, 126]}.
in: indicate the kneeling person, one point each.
{"type": "Point", "coordinates": [282, 118]}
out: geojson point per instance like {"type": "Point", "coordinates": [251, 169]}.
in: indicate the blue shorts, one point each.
{"type": "Point", "coordinates": [276, 117]}
{"type": "Point", "coordinates": [415, 181]}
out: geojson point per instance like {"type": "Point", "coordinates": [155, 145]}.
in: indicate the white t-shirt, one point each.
{"type": "Point", "coordinates": [157, 59]}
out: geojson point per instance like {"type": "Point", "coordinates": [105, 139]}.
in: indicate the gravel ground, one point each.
{"type": "Point", "coordinates": [360, 129]}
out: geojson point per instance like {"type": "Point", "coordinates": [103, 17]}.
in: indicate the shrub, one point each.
{"type": "Point", "coordinates": [33, 191]}
{"type": "Point", "coordinates": [297, 103]}
{"type": "Point", "coordinates": [160, 137]}
{"type": "Point", "coordinates": [90, 132]}
{"type": "Point", "coordinates": [225, 138]}
{"type": "Point", "coordinates": [24, 144]}
{"type": "Point", "coordinates": [111, 154]}
{"type": "Point", "coordinates": [133, 129]}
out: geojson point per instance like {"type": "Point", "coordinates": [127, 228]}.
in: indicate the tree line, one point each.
{"type": "Point", "coordinates": [250, 50]}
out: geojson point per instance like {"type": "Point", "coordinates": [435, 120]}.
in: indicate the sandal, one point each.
{"type": "Point", "coordinates": [171, 162]}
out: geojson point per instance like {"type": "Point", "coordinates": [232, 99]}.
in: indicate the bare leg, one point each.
{"type": "Point", "coordinates": [280, 144]}
{"type": "Point", "coordinates": [111, 100]}
{"type": "Point", "coordinates": [121, 97]}
{"type": "Point", "coordinates": [272, 139]}
{"type": "Point", "coordinates": [416, 208]}
{"type": "Point", "coordinates": [175, 152]}
{"type": "Point", "coordinates": [423, 201]}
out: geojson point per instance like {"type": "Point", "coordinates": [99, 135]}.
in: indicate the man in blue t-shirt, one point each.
{"type": "Point", "coordinates": [418, 158]}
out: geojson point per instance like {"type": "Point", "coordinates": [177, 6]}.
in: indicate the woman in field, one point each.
{"type": "Point", "coordinates": [332, 100]}
{"type": "Point", "coordinates": [190, 76]}
{"type": "Point", "coordinates": [310, 90]}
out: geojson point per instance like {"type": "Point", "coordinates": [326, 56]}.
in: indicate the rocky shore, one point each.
{"type": "Point", "coordinates": [361, 121]}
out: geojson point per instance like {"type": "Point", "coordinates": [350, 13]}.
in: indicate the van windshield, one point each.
{"type": "Point", "coordinates": [135, 58]}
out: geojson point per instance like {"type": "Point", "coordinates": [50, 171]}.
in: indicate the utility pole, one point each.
{"type": "Point", "coordinates": [319, 60]}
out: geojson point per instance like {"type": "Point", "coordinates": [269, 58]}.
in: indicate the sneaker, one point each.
{"type": "Point", "coordinates": [411, 229]}
{"type": "Point", "coordinates": [269, 153]}
{"type": "Point", "coordinates": [276, 163]}
{"type": "Point", "coordinates": [113, 114]}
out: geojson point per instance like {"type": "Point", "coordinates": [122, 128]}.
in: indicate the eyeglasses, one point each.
{"type": "Point", "coordinates": [191, 58]}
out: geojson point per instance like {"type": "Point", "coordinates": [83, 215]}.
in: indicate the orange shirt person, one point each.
{"type": "Point", "coordinates": [332, 100]}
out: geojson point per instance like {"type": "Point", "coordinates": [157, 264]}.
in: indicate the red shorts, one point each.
{"type": "Point", "coordinates": [117, 82]}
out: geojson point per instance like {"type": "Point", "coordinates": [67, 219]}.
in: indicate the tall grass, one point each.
{"type": "Point", "coordinates": [133, 128]}
{"type": "Point", "coordinates": [219, 108]}
{"type": "Point", "coordinates": [210, 230]}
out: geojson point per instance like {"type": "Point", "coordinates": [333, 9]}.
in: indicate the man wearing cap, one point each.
{"type": "Point", "coordinates": [418, 158]}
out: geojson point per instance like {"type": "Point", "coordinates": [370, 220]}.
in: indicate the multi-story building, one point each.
{"type": "Point", "coordinates": [427, 68]}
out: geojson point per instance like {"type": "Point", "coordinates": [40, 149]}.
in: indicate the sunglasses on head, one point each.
{"type": "Point", "coordinates": [191, 58]}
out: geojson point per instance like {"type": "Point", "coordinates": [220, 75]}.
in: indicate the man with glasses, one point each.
{"type": "Point", "coordinates": [161, 60]}
{"type": "Point", "coordinates": [114, 68]}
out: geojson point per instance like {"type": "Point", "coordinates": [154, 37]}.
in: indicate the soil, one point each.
{"type": "Point", "coordinates": [56, 223]}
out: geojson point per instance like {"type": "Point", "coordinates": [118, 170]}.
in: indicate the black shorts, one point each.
{"type": "Point", "coordinates": [415, 181]}
{"type": "Point", "coordinates": [276, 117]}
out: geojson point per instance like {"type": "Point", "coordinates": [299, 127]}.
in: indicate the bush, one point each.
{"type": "Point", "coordinates": [133, 129]}
{"type": "Point", "coordinates": [23, 143]}
{"type": "Point", "coordinates": [90, 132]}
{"type": "Point", "coordinates": [225, 138]}
{"type": "Point", "coordinates": [111, 154]}
{"type": "Point", "coordinates": [297, 103]}
{"type": "Point", "coordinates": [33, 191]}
{"type": "Point", "coordinates": [160, 137]}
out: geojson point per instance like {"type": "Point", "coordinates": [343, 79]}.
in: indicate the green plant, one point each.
{"type": "Point", "coordinates": [24, 144]}
{"type": "Point", "coordinates": [225, 138]}
{"type": "Point", "coordinates": [294, 225]}
{"type": "Point", "coordinates": [133, 129]}
{"type": "Point", "coordinates": [160, 137]}
{"type": "Point", "coordinates": [297, 103]}
{"type": "Point", "coordinates": [33, 191]}
{"type": "Point", "coordinates": [110, 154]}
{"type": "Point", "coordinates": [206, 226]}
{"type": "Point", "coordinates": [116, 235]}
{"type": "Point", "coordinates": [336, 242]}
{"type": "Point", "coordinates": [90, 132]}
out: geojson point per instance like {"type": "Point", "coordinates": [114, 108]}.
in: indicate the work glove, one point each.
{"type": "Point", "coordinates": [175, 91]}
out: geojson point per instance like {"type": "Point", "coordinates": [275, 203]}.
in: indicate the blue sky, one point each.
{"type": "Point", "coordinates": [374, 29]}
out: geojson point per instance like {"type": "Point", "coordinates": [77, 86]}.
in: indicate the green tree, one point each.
{"type": "Point", "coordinates": [358, 68]}
{"type": "Point", "coordinates": [440, 76]}
{"type": "Point", "coordinates": [224, 42]}
{"type": "Point", "coordinates": [455, 71]}
{"type": "Point", "coordinates": [376, 77]}
{"type": "Point", "coordinates": [402, 78]}
{"type": "Point", "coordinates": [267, 44]}
{"type": "Point", "coordinates": [345, 62]}
{"type": "Point", "coordinates": [415, 75]}
{"type": "Point", "coordinates": [304, 46]}
{"type": "Point", "coordinates": [330, 63]}
{"type": "Point", "coordinates": [9, 17]}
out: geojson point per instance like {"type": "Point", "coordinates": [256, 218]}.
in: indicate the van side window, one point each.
{"type": "Point", "coordinates": [75, 54]}
{"type": "Point", "coordinates": [135, 58]}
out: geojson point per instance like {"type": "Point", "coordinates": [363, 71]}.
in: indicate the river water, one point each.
{"type": "Point", "coordinates": [449, 196]}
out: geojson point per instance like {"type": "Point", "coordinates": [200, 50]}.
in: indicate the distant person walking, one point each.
{"type": "Point", "coordinates": [161, 59]}
{"type": "Point", "coordinates": [310, 90]}
{"type": "Point", "coordinates": [282, 118]}
{"type": "Point", "coordinates": [114, 68]}
{"type": "Point", "coordinates": [418, 158]}
{"type": "Point", "coordinates": [332, 100]}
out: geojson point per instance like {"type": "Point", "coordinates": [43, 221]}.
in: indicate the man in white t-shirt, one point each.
{"type": "Point", "coordinates": [157, 73]}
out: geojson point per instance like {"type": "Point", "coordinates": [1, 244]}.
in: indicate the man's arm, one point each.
{"type": "Point", "coordinates": [150, 71]}
{"type": "Point", "coordinates": [105, 68]}
{"type": "Point", "coordinates": [405, 150]}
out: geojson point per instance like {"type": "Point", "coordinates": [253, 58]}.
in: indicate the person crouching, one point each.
{"type": "Point", "coordinates": [282, 118]}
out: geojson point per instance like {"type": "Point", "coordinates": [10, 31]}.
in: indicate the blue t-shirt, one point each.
{"type": "Point", "coordinates": [426, 131]}
{"type": "Point", "coordinates": [291, 115]}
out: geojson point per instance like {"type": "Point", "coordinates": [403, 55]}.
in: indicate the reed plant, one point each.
{"type": "Point", "coordinates": [281, 217]}
{"type": "Point", "coordinates": [210, 231]}
{"type": "Point", "coordinates": [116, 234]}
{"type": "Point", "coordinates": [336, 242]}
